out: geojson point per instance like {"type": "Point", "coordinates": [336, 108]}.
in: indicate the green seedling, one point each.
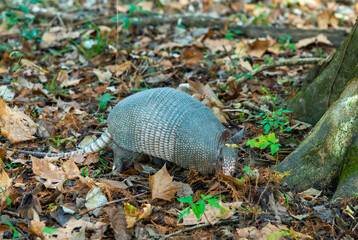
{"type": "Point", "coordinates": [231, 34]}
{"type": "Point", "coordinates": [21, 17]}
{"type": "Point", "coordinates": [7, 198]}
{"type": "Point", "coordinates": [198, 208]}
{"type": "Point", "coordinates": [103, 101]}
{"type": "Point", "coordinates": [264, 141]}
{"type": "Point", "coordinates": [278, 120]}
{"type": "Point", "coordinates": [85, 172]}
{"type": "Point", "coordinates": [58, 141]}
{"type": "Point", "coordinates": [16, 233]}
{"type": "Point", "coordinates": [285, 43]}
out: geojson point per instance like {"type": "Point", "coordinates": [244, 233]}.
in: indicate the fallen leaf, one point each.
{"type": "Point", "coordinates": [114, 185]}
{"type": "Point", "coordinates": [318, 39]}
{"type": "Point", "coordinates": [118, 222]}
{"type": "Point", "coordinates": [71, 169]}
{"type": "Point", "coordinates": [161, 185]}
{"type": "Point", "coordinates": [36, 228]}
{"type": "Point", "coordinates": [118, 70]}
{"type": "Point", "coordinates": [15, 125]}
{"type": "Point", "coordinates": [192, 56]}
{"type": "Point", "coordinates": [45, 169]}
{"type": "Point", "coordinates": [103, 76]}
{"type": "Point", "coordinates": [134, 214]}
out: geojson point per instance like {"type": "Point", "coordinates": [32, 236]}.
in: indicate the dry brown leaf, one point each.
{"type": "Point", "coordinates": [258, 47]}
{"type": "Point", "coordinates": [118, 70]}
{"type": "Point", "coordinates": [118, 222]}
{"type": "Point", "coordinates": [15, 125]}
{"type": "Point", "coordinates": [134, 214]}
{"type": "Point", "coordinates": [36, 228]}
{"type": "Point", "coordinates": [327, 17]}
{"type": "Point", "coordinates": [5, 181]}
{"type": "Point", "coordinates": [114, 185]}
{"type": "Point", "coordinates": [218, 45]}
{"type": "Point", "coordinates": [168, 45]}
{"type": "Point", "coordinates": [71, 169]}
{"type": "Point", "coordinates": [307, 41]}
{"type": "Point", "coordinates": [146, 5]}
{"type": "Point", "coordinates": [45, 169]}
{"type": "Point", "coordinates": [219, 115]}
{"type": "Point", "coordinates": [94, 230]}
{"type": "Point", "coordinates": [103, 76]}
{"type": "Point", "coordinates": [192, 56]}
{"type": "Point", "coordinates": [161, 185]}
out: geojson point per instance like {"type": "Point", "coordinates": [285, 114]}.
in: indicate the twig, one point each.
{"type": "Point", "coordinates": [266, 111]}
{"type": "Point", "coordinates": [279, 63]}
{"type": "Point", "coordinates": [340, 64]}
{"type": "Point", "coordinates": [114, 201]}
{"type": "Point", "coordinates": [200, 226]}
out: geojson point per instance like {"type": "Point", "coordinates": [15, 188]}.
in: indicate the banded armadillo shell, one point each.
{"type": "Point", "coordinates": [168, 124]}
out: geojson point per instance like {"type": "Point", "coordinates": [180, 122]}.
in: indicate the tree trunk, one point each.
{"type": "Point", "coordinates": [328, 157]}
{"type": "Point", "coordinates": [313, 101]}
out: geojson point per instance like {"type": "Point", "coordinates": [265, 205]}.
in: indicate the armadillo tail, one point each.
{"type": "Point", "coordinates": [101, 142]}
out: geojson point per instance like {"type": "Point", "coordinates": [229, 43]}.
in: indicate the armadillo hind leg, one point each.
{"type": "Point", "coordinates": [123, 158]}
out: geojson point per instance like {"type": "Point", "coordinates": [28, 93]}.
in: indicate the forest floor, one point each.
{"type": "Point", "coordinates": [63, 67]}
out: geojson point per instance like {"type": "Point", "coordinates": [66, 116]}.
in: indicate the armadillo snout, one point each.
{"type": "Point", "coordinates": [230, 160]}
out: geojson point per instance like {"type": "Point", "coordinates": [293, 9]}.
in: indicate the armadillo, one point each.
{"type": "Point", "coordinates": [165, 123]}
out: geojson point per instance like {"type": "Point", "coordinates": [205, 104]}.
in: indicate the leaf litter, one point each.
{"type": "Point", "coordinates": [53, 81]}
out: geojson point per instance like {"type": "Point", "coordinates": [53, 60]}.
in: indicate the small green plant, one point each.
{"type": "Point", "coordinates": [58, 141]}
{"type": "Point", "coordinates": [84, 172]}
{"type": "Point", "coordinates": [286, 43]}
{"type": "Point", "coordinates": [231, 34]}
{"type": "Point", "coordinates": [16, 233]}
{"type": "Point", "coordinates": [273, 97]}
{"type": "Point", "coordinates": [264, 141]}
{"type": "Point", "coordinates": [20, 16]}
{"type": "Point", "coordinates": [198, 208]}
{"type": "Point", "coordinates": [133, 9]}
{"type": "Point", "coordinates": [7, 198]}
{"type": "Point", "coordinates": [268, 60]}
{"type": "Point", "coordinates": [278, 120]}
{"type": "Point", "coordinates": [103, 101]}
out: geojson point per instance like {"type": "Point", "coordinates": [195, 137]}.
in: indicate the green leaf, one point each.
{"type": "Point", "coordinates": [7, 198]}
{"type": "Point", "coordinates": [248, 171]}
{"type": "Point", "coordinates": [196, 211]}
{"type": "Point", "coordinates": [201, 206]}
{"type": "Point", "coordinates": [49, 230]}
{"type": "Point", "coordinates": [103, 101]}
{"type": "Point", "coordinates": [183, 213]}
{"type": "Point", "coordinates": [251, 143]}
{"type": "Point", "coordinates": [206, 197]}
{"type": "Point", "coordinates": [267, 128]}
{"type": "Point", "coordinates": [188, 199]}
{"type": "Point", "coordinates": [274, 148]}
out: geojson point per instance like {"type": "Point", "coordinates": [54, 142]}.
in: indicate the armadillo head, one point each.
{"type": "Point", "coordinates": [227, 155]}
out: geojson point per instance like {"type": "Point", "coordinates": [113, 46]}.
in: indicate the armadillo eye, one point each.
{"type": "Point", "coordinates": [221, 159]}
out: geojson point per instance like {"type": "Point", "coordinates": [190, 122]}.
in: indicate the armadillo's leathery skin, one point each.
{"type": "Point", "coordinates": [171, 125]}
{"type": "Point", "coordinates": [101, 142]}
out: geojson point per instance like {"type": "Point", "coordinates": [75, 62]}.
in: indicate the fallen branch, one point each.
{"type": "Point", "coordinates": [336, 36]}
{"type": "Point", "coordinates": [279, 63]}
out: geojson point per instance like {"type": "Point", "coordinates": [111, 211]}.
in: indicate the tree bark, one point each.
{"type": "Point", "coordinates": [328, 157]}
{"type": "Point", "coordinates": [312, 102]}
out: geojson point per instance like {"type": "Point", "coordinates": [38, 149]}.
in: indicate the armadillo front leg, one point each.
{"type": "Point", "coordinates": [123, 158]}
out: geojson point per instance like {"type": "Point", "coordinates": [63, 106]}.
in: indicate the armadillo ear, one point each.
{"type": "Point", "coordinates": [225, 138]}
{"type": "Point", "coordinates": [238, 137]}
